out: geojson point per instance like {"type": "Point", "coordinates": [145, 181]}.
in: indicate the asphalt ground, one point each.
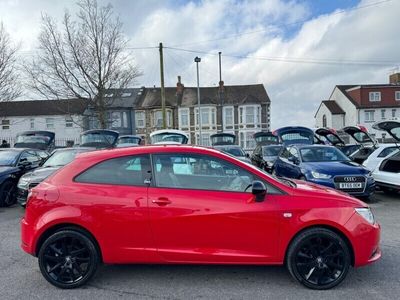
{"type": "Point", "coordinates": [20, 277]}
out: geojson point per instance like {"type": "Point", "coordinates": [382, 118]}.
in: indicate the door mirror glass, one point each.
{"type": "Point", "coordinates": [259, 190]}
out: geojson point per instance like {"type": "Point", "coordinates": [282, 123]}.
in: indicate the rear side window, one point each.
{"type": "Point", "coordinates": [385, 152]}
{"type": "Point", "coordinates": [127, 170]}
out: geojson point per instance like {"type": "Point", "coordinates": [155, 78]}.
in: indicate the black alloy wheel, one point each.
{"type": "Point", "coordinates": [68, 259]}
{"type": "Point", "coordinates": [7, 194]}
{"type": "Point", "coordinates": [319, 258]}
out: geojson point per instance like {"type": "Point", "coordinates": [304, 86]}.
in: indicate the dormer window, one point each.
{"type": "Point", "coordinates": [374, 96]}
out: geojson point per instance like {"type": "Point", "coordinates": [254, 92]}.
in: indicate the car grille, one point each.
{"type": "Point", "coordinates": [341, 181]}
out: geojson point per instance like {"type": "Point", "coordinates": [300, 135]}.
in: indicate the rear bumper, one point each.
{"type": "Point", "coordinates": [27, 237]}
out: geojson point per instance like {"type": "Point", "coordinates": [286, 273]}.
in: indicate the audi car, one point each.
{"type": "Point", "coordinates": [324, 165]}
{"type": "Point", "coordinates": [178, 204]}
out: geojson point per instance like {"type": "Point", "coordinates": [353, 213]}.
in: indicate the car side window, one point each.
{"type": "Point", "coordinates": [285, 153]}
{"type": "Point", "coordinates": [126, 170]}
{"type": "Point", "coordinates": [201, 172]}
{"type": "Point", "coordinates": [385, 152]}
{"type": "Point", "coordinates": [29, 156]}
{"type": "Point", "coordinates": [293, 153]}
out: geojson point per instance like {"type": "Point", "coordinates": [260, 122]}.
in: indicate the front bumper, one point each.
{"type": "Point", "coordinates": [365, 240]}
{"type": "Point", "coordinates": [368, 190]}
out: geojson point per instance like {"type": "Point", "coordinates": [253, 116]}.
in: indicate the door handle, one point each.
{"type": "Point", "coordinates": [161, 201]}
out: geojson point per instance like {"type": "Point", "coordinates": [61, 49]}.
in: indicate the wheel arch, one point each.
{"type": "Point", "coordinates": [324, 226]}
{"type": "Point", "coordinates": [57, 227]}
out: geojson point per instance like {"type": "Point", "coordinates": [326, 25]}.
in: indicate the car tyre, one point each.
{"type": "Point", "coordinates": [318, 258]}
{"type": "Point", "coordinates": [7, 194]}
{"type": "Point", "coordinates": [68, 258]}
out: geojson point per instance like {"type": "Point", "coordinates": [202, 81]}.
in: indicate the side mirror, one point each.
{"type": "Point", "coordinates": [259, 190]}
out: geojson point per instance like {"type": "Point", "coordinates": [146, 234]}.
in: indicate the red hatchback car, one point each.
{"type": "Point", "coordinates": [191, 205]}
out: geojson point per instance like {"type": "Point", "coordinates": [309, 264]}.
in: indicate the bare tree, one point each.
{"type": "Point", "coordinates": [9, 85]}
{"type": "Point", "coordinates": [84, 59]}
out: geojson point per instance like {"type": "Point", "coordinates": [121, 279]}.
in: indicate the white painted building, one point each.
{"type": "Point", "coordinates": [361, 105]}
{"type": "Point", "coordinates": [64, 117]}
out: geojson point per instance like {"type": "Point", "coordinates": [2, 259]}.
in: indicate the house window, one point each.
{"type": "Point", "coordinates": [250, 114]}
{"type": "Point", "coordinates": [208, 116]}
{"type": "Point", "coordinates": [397, 95]}
{"type": "Point", "coordinates": [158, 118]}
{"type": "Point", "coordinates": [140, 119]}
{"type": "Point", "coordinates": [69, 122]}
{"type": "Point", "coordinates": [32, 123]}
{"type": "Point", "coordinates": [205, 139]}
{"type": "Point", "coordinates": [324, 121]}
{"type": "Point", "coordinates": [383, 112]}
{"type": "Point", "coordinates": [393, 113]}
{"type": "Point", "coordinates": [369, 116]}
{"type": "Point", "coordinates": [374, 96]}
{"type": "Point", "coordinates": [117, 119]}
{"type": "Point", "coordinates": [228, 116]}
{"type": "Point", "coordinates": [183, 116]}
{"type": "Point", "coordinates": [50, 123]}
{"type": "Point", "coordinates": [5, 124]}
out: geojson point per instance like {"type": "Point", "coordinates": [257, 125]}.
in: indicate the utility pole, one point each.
{"type": "Point", "coordinates": [197, 60]}
{"type": "Point", "coordinates": [164, 114]}
{"type": "Point", "coordinates": [220, 92]}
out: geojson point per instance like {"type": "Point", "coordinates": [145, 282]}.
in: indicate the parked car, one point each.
{"type": "Point", "coordinates": [387, 172]}
{"type": "Point", "coordinates": [367, 143]}
{"type": "Point", "coordinates": [99, 138]}
{"type": "Point", "coordinates": [266, 138]}
{"type": "Point", "coordinates": [42, 140]}
{"type": "Point", "coordinates": [225, 142]}
{"type": "Point", "coordinates": [191, 205]}
{"type": "Point", "coordinates": [382, 151]}
{"type": "Point", "coordinates": [58, 159]}
{"type": "Point", "coordinates": [324, 165]}
{"type": "Point", "coordinates": [295, 135]}
{"type": "Point", "coordinates": [264, 156]}
{"type": "Point", "coordinates": [168, 136]}
{"type": "Point", "coordinates": [128, 141]}
{"type": "Point", "coordinates": [14, 162]}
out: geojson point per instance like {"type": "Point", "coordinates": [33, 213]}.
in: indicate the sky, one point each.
{"type": "Point", "coordinates": [298, 49]}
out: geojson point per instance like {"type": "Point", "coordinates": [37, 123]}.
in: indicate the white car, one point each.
{"type": "Point", "coordinates": [387, 172]}
{"type": "Point", "coordinates": [383, 151]}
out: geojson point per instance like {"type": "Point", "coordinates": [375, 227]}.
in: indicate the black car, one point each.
{"type": "Point", "coordinates": [42, 140]}
{"type": "Point", "coordinates": [14, 162]}
{"type": "Point", "coordinates": [264, 156]}
{"type": "Point", "coordinates": [56, 160]}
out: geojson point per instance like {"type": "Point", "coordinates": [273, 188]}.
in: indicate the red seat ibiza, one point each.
{"type": "Point", "coordinates": [191, 205]}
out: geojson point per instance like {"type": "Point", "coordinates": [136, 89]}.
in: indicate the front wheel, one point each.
{"type": "Point", "coordinates": [68, 259]}
{"type": "Point", "coordinates": [7, 194]}
{"type": "Point", "coordinates": [318, 258]}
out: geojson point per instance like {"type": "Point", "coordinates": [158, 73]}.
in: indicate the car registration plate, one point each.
{"type": "Point", "coordinates": [350, 185]}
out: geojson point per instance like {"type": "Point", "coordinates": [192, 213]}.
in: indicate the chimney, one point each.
{"type": "Point", "coordinates": [394, 78]}
{"type": "Point", "coordinates": [179, 91]}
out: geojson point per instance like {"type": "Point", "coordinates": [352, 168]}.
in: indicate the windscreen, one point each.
{"type": "Point", "coordinates": [169, 137]}
{"type": "Point", "coordinates": [33, 139]}
{"type": "Point", "coordinates": [100, 138]}
{"type": "Point", "coordinates": [60, 158]}
{"type": "Point", "coordinates": [297, 137]}
{"type": "Point", "coordinates": [8, 158]}
{"type": "Point", "coordinates": [322, 154]}
{"type": "Point", "coordinates": [235, 151]}
{"type": "Point", "coordinates": [271, 150]}
{"type": "Point", "coordinates": [129, 140]}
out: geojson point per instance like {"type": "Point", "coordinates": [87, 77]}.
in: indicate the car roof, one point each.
{"type": "Point", "coordinates": [19, 149]}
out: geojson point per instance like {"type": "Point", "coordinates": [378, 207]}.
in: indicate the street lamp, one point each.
{"type": "Point", "coordinates": [197, 60]}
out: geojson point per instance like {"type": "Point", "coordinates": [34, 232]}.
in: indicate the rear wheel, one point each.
{"type": "Point", "coordinates": [7, 194]}
{"type": "Point", "coordinates": [68, 259]}
{"type": "Point", "coordinates": [319, 258]}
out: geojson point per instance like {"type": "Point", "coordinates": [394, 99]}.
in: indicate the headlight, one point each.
{"type": "Point", "coordinates": [23, 183]}
{"type": "Point", "coordinates": [320, 175]}
{"type": "Point", "coordinates": [367, 214]}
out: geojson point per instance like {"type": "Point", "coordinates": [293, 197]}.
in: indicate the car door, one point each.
{"type": "Point", "coordinates": [293, 164]}
{"type": "Point", "coordinates": [281, 164]}
{"type": "Point", "coordinates": [116, 189]}
{"type": "Point", "coordinates": [200, 212]}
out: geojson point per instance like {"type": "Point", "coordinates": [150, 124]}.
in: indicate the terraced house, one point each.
{"type": "Point", "coordinates": [238, 109]}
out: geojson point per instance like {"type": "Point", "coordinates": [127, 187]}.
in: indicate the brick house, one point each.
{"type": "Point", "coordinates": [239, 109]}
{"type": "Point", "coordinates": [361, 104]}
